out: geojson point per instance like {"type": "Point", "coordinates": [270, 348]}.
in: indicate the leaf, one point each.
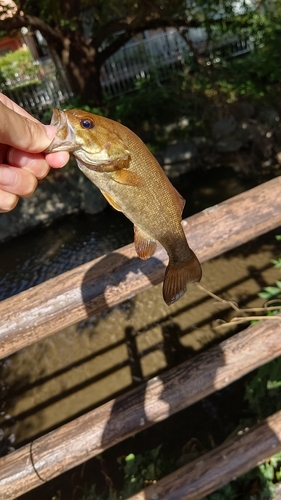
{"type": "Point", "coordinates": [270, 291]}
{"type": "Point", "coordinates": [267, 471]}
{"type": "Point", "coordinates": [277, 263]}
{"type": "Point", "coordinates": [273, 384]}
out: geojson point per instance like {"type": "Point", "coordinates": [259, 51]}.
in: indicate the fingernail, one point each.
{"type": "Point", "coordinates": [8, 176]}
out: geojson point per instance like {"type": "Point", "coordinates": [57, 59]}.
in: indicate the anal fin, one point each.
{"type": "Point", "coordinates": [144, 245]}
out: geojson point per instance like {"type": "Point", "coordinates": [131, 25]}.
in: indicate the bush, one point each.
{"type": "Point", "coordinates": [17, 67]}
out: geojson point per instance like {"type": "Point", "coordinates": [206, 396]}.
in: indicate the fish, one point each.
{"type": "Point", "coordinates": [117, 161]}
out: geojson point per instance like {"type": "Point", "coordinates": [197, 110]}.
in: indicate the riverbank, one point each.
{"type": "Point", "coordinates": [61, 193]}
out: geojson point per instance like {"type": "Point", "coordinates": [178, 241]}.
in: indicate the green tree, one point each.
{"type": "Point", "coordinates": [83, 34]}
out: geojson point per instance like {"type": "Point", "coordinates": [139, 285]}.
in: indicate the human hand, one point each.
{"type": "Point", "coordinates": [23, 140]}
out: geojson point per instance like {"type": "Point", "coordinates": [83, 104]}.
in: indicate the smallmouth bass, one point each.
{"type": "Point", "coordinates": [130, 178]}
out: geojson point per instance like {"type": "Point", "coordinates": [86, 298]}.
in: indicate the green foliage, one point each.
{"type": "Point", "coordinates": [150, 108]}
{"type": "Point", "coordinates": [224, 79]}
{"type": "Point", "coordinates": [91, 494]}
{"type": "Point", "coordinates": [271, 292]}
{"type": "Point", "coordinates": [140, 470]}
{"type": "Point", "coordinates": [205, 91]}
{"type": "Point", "coordinates": [144, 469]}
{"type": "Point", "coordinates": [225, 493]}
{"type": "Point", "coordinates": [150, 105]}
{"type": "Point", "coordinates": [79, 103]}
{"type": "Point", "coordinates": [17, 67]}
{"type": "Point", "coordinates": [277, 263]}
{"type": "Point", "coordinates": [106, 26]}
{"type": "Point", "coordinates": [263, 391]}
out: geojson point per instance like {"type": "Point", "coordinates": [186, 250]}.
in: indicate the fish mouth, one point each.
{"type": "Point", "coordinates": [64, 139]}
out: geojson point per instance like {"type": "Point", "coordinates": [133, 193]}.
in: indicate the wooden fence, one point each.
{"type": "Point", "coordinates": [66, 299]}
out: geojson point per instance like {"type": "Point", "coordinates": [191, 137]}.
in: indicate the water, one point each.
{"type": "Point", "coordinates": [44, 253]}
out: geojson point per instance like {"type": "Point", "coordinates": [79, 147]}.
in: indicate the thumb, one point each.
{"type": "Point", "coordinates": [23, 133]}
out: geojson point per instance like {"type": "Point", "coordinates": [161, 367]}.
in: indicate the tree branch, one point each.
{"type": "Point", "coordinates": [129, 28]}
{"type": "Point", "coordinates": [17, 22]}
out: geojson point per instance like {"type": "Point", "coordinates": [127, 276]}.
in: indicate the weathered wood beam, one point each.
{"type": "Point", "coordinates": [219, 466]}
{"type": "Point", "coordinates": [111, 279]}
{"type": "Point", "coordinates": [161, 397]}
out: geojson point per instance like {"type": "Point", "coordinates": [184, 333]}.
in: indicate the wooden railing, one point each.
{"type": "Point", "coordinates": [109, 280]}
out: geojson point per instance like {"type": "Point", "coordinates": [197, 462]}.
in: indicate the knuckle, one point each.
{"type": "Point", "coordinates": [32, 133]}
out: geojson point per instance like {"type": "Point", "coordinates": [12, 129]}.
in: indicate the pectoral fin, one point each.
{"type": "Point", "coordinates": [144, 245]}
{"type": "Point", "coordinates": [128, 178]}
{"type": "Point", "coordinates": [111, 201]}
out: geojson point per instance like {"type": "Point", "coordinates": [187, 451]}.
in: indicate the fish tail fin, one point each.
{"type": "Point", "coordinates": [177, 277]}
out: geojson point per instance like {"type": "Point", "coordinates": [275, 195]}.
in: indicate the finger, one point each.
{"type": "Point", "coordinates": [17, 181]}
{"type": "Point", "coordinates": [8, 201]}
{"type": "Point", "coordinates": [15, 107]}
{"type": "Point", "coordinates": [57, 160]}
{"type": "Point", "coordinates": [3, 152]}
{"type": "Point", "coordinates": [49, 129]}
{"type": "Point", "coordinates": [23, 133]}
{"type": "Point", "coordinates": [35, 163]}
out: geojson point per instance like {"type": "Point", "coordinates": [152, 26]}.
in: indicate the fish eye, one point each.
{"type": "Point", "coordinates": [87, 123]}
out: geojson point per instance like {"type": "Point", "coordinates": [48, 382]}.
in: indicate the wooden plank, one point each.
{"type": "Point", "coordinates": [109, 280]}
{"type": "Point", "coordinates": [219, 466]}
{"type": "Point", "coordinates": [178, 388]}
{"type": "Point", "coordinates": [21, 470]}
